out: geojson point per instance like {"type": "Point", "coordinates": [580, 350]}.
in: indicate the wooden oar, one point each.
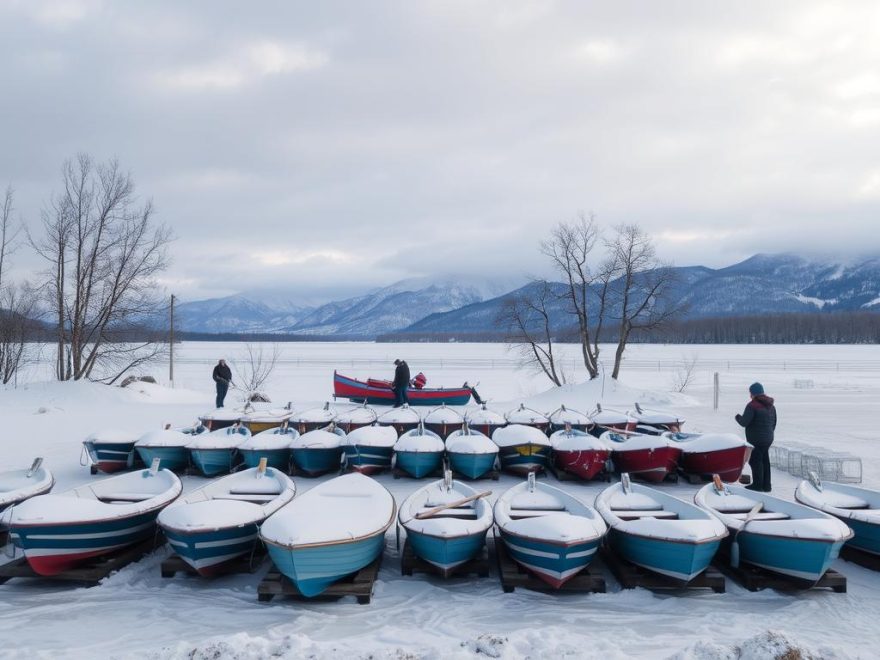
{"type": "Point", "coordinates": [451, 505]}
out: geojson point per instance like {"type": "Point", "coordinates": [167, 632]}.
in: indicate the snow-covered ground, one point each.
{"type": "Point", "coordinates": [827, 396]}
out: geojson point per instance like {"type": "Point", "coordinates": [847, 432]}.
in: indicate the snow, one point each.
{"type": "Point", "coordinates": [483, 415]}
{"type": "Point", "coordinates": [871, 303]}
{"type": "Point", "coordinates": [436, 494]}
{"type": "Point", "coordinates": [318, 439]}
{"type": "Point", "coordinates": [269, 439]}
{"type": "Point", "coordinates": [443, 415]}
{"type": "Point", "coordinates": [818, 302]}
{"type": "Point", "coordinates": [564, 415]}
{"type": "Point", "coordinates": [634, 441]}
{"type": "Point", "coordinates": [519, 434]}
{"type": "Point", "coordinates": [164, 438]}
{"type": "Point", "coordinates": [402, 415]}
{"type": "Point", "coordinates": [372, 436]}
{"type": "Point", "coordinates": [276, 415]}
{"type": "Point", "coordinates": [471, 443]}
{"type": "Point", "coordinates": [356, 415]}
{"type": "Point", "coordinates": [228, 438]}
{"type": "Point", "coordinates": [112, 436]}
{"type": "Point", "coordinates": [419, 441]}
{"type": "Point", "coordinates": [576, 441]}
{"type": "Point", "coordinates": [320, 414]}
{"type": "Point", "coordinates": [523, 415]}
{"type": "Point", "coordinates": [17, 485]}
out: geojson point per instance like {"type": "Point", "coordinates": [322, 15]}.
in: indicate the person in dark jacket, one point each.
{"type": "Point", "coordinates": [401, 383]}
{"type": "Point", "coordinates": [759, 421]}
{"type": "Point", "coordinates": [222, 377]}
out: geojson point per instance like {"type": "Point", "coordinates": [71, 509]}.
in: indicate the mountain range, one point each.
{"type": "Point", "coordinates": [762, 284]}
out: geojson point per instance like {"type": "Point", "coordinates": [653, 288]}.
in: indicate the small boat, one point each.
{"type": "Point", "coordinates": [522, 449]}
{"type": "Point", "coordinates": [443, 421]}
{"type": "Point", "coordinates": [470, 452]}
{"type": "Point", "coordinates": [218, 523]}
{"type": "Point", "coordinates": [355, 417]}
{"type": "Point", "coordinates": [376, 391]}
{"type": "Point", "coordinates": [858, 507]}
{"type": "Point", "coordinates": [780, 536]}
{"type": "Point", "coordinates": [659, 532]}
{"type": "Point", "coordinates": [419, 452]}
{"type": "Point", "coordinates": [216, 452]}
{"type": "Point", "coordinates": [528, 417]}
{"type": "Point", "coordinates": [369, 449]}
{"type": "Point", "coordinates": [220, 418]}
{"type": "Point", "coordinates": [579, 453]}
{"type": "Point", "coordinates": [655, 422]}
{"type": "Point", "coordinates": [403, 419]}
{"type": "Point", "coordinates": [610, 420]}
{"type": "Point", "coordinates": [111, 450]}
{"type": "Point", "coordinates": [313, 418]}
{"type": "Point", "coordinates": [170, 447]}
{"type": "Point", "coordinates": [547, 531]}
{"type": "Point", "coordinates": [331, 531]}
{"type": "Point", "coordinates": [446, 523]}
{"type": "Point", "coordinates": [317, 452]}
{"type": "Point", "coordinates": [563, 416]}
{"type": "Point", "coordinates": [705, 454]}
{"type": "Point", "coordinates": [257, 421]}
{"type": "Point", "coordinates": [272, 444]}
{"type": "Point", "coordinates": [649, 457]}
{"type": "Point", "coordinates": [18, 485]}
{"type": "Point", "coordinates": [484, 420]}
{"type": "Point", "coordinates": [57, 532]}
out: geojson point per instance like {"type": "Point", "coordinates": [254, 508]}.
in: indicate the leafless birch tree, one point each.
{"type": "Point", "coordinates": [256, 368]}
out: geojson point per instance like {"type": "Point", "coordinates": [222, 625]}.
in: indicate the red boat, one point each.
{"type": "Point", "coordinates": [379, 392]}
{"type": "Point", "coordinates": [484, 420]}
{"type": "Point", "coordinates": [604, 420]}
{"type": "Point", "coordinates": [528, 417]}
{"type": "Point", "coordinates": [649, 457]}
{"type": "Point", "coordinates": [402, 419]}
{"type": "Point", "coordinates": [656, 421]}
{"type": "Point", "coordinates": [443, 421]}
{"type": "Point", "coordinates": [579, 453]}
{"type": "Point", "coordinates": [706, 454]}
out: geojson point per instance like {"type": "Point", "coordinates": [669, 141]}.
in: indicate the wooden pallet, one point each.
{"type": "Point", "coordinates": [631, 576]}
{"type": "Point", "coordinates": [756, 579]}
{"type": "Point", "coordinates": [410, 564]}
{"type": "Point", "coordinates": [248, 563]}
{"type": "Point", "coordinates": [359, 585]}
{"type": "Point", "coordinates": [88, 574]}
{"type": "Point", "coordinates": [513, 575]}
{"type": "Point", "coordinates": [860, 557]}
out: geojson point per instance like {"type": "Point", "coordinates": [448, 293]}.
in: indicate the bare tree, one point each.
{"type": "Point", "coordinates": [257, 367]}
{"type": "Point", "coordinates": [684, 375]}
{"type": "Point", "coordinates": [527, 320]}
{"type": "Point", "coordinates": [103, 251]}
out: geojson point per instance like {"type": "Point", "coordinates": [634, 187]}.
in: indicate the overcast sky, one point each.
{"type": "Point", "coordinates": [324, 147]}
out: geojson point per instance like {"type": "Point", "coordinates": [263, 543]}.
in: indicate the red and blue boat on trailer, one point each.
{"type": "Point", "coordinates": [379, 392]}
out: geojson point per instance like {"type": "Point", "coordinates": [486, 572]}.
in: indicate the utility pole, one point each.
{"type": "Point", "coordinates": [171, 347]}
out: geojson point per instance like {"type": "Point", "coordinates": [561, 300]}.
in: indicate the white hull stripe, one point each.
{"type": "Point", "coordinates": [92, 535]}
{"type": "Point", "coordinates": [210, 561]}
{"type": "Point", "coordinates": [221, 543]}
{"type": "Point", "coordinates": [787, 571]}
{"type": "Point", "coordinates": [550, 555]}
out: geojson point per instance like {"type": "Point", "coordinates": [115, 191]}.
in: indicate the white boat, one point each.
{"type": "Point", "coordinates": [443, 421]}
{"type": "Point", "coordinates": [528, 417]}
{"type": "Point", "coordinates": [858, 508]}
{"type": "Point", "coordinates": [18, 485]}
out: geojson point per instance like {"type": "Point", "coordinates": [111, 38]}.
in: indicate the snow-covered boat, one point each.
{"type": "Point", "coordinates": [220, 418]}
{"type": "Point", "coordinates": [780, 536]}
{"type": "Point", "coordinates": [579, 453]}
{"type": "Point", "coordinates": [528, 417]}
{"type": "Point", "coordinates": [217, 523]}
{"type": "Point", "coordinates": [470, 452]}
{"type": "Point", "coordinates": [402, 419]}
{"type": "Point", "coordinates": [216, 452]}
{"type": "Point", "coordinates": [563, 416]}
{"type": "Point", "coordinates": [655, 421]}
{"type": "Point", "coordinates": [313, 418]}
{"type": "Point", "coordinates": [273, 444]}
{"type": "Point", "coordinates": [419, 452]}
{"type": "Point", "coordinates": [355, 417]}
{"type": "Point", "coordinates": [659, 532]}
{"type": "Point", "coordinates": [610, 420]}
{"type": "Point", "coordinates": [858, 507]}
{"type": "Point", "coordinates": [522, 449]}
{"type": "Point", "coordinates": [111, 450]}
{"type": "Point", "coordinates": [649, 457]}
{"type": "Point", "coordinates": [376, 391]}
{"type": "Point", "coordinates": [548, 531]}
{"type": "Point", "coordinates": [18, 485]}
{"type": "Point", "coordinates": [169, 446]}
{"type": "Point", "coordinates": [484, 420]}
{"type": "Point", "coordinates": [59, 531]}
{"type": "Point", "coordinates": [451, 536]}
{"type": "Point", "coordinates": [705, 454]}
{"type": "Point", "coordinates": [264, 419]}
{"type": "Point", "coordinates": [369, 449]}
{"type": "Point", "coordinates": [443, 421]}
{"type": "Point", "coordinates": [317, 452]}
{"type": "Point", "coordinates": [331, 531]}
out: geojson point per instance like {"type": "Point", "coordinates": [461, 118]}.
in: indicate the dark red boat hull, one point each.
{"type": "Point", "coordinates": [360, 391]}
{"type": "Point", "coordinates": [726, 463]}
{"type": "Point", "coordinates": [652, 465]}
{"type": "Point", "coordinates": [586, 464]}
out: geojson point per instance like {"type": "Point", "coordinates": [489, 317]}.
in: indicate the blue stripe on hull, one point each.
{"type": "Point", "coordinates": [473, 466]}
{"type": "Point", "coordinates": [446, 553]}
{"type": "Point", "coordinates": [521, 459]}
{"type": "Point", "coordinates": [419, 463]}
{"type": "Point", "coordinates": [550, 561]}
{"type": "Point", "coordinates": [204, 550]}
{"type": "Point", "coordinates": [212, 462]}
{"type": "Point", "coordinates": [172, 458]}
{"type": "Point", "coordinates": [803, 559]}
{"type": "Point", "coordinates": [317, 461]}
{"type": "Point", "coordinates": [85, 536]}
{"type": "Point", "coordinates": [378, 458]}
{"type": "Point", "coordinates": [313, 569]}
{"type": "Point", "coordinates": [867, 536]}
{"type": "Point", "coordinates": [681, 561]}
{"type": "Point", "coordinates": [120, 454]}
{"type": "Point", "coordinates": [275, 458]}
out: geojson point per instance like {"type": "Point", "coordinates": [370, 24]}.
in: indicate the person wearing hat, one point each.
{"type": "Point", "coordinates": [759, 421]}
{"type": "Point", "coordinates": [401, 383]}
{"type": "Point", "coordinates": [222, 377]}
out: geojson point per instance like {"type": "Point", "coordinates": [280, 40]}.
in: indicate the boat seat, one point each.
{"type": "Point", "coordinates": [764, 515]}
{"type": "Point", "coordinates": [463, 513]}
{"type": "Point", "coordinates": [247, 497]}
{"type": "Point", "coordinates": [631, 514]}
{"type": "Point", "coordinates": [125, 497]}
{"type": "Point", "coordinates": [271, 489]}
{"type": "Point", "coordinates": [536, 501]}
{"type": "Point", "coordinates": [516, 514]}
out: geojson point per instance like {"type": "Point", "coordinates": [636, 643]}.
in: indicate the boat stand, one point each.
{"type": "Point", "coordinates": [756, 579]}
{"type": "Point", "coordinates": [860, 557]}
{"type": "Point", "coordinates": [631, 576]}
{"type": "Point", "coordinates": [359, 585]}
{"type": "Point", "coordinates": [513, 575]}
{"type": "Point", "coordinates": [248, 563]}
{"type": "Point", "coordinates": [410, 564]}
{"type": "Point", "coordinates": [88, 574]}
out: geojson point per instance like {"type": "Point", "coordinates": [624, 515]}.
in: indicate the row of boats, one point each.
{"type": "Point", "coordinates": [339, 526]}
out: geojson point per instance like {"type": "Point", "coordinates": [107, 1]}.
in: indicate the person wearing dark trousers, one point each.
{"type": "Point", "coordinates": [401, 383]}
{"type": "Point", "coordinates": [759, 421]}
{"type": "Point", "coordinates": [222, 377]}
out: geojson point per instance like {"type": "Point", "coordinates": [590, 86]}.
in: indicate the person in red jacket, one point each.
{"type": "Point", "coordinates": [759, 421]}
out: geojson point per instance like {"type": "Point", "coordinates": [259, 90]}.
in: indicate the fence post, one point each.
{"type": "Point", "coordinates": [715, 396]}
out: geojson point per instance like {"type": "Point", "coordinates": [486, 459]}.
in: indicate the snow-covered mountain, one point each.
{"type": "Point", "coordinates": [238, 313]}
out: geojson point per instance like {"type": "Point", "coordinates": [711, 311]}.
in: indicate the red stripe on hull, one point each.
{"type": "Point", "coordinates": [726, 463]}
{"type": "Point", "coordinates": [361, 390]}
{"type": "Point", "coordinates": [586, 464]}
{"type": "Point", "coordinates": [368, 470]}
{"type": "Point", "coordinates": [50, 565]}
{"type": "Point", "coordinates": [649, 464]}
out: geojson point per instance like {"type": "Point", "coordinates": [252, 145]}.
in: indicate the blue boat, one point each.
{"type": "Point", "coordinates": [522, 449]}
{"type": "Point", "coordinates": [547, 531]}
{"type": "Point", "coordinates": [419, 452]}
{"type": "Point", "coordinates": [317, 452]}
{"type": "Point", "coordinates": [111, 450]}
{"type": "Point", "coordinates": [471, 453]}
{"type": "Point", "coordinates": [451, 536]}
{"type": "Point", "coordinates": [858, 507]}
{"type": "Point", "coordinates": [333, 530]}
{"type": "Point", "coordinates": [218, 523]}
{"type": "Point", "coordinates": [216, 453]}
{"type": "Point", "coordinates": [272, 444]}
{"type": "Point", "coordinates": [780, 536]}
{"type": "Point", "coordinates": [369, 449]}
{"type": "Point", "coordinates": [659, 532]}
{"type": "Point", "coordinates": [170, 447]}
